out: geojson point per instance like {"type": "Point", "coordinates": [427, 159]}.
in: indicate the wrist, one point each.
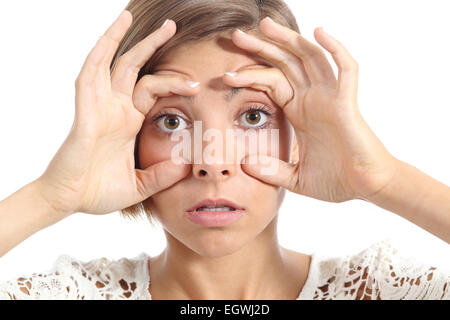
{"type": "Point", "coordinates": [392, 186]}
{"type": "Point", "coordinates": [52, 212]}
{"type": "Point", "coordinates": [407, 192]}
{"type": "Point", "coordinates": [417, 197]}
{"type": "Point", "coordinates": [24, 213]}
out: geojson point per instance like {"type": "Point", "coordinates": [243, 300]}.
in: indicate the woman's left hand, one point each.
{"type": "Point", "coordinates": [339, 157]}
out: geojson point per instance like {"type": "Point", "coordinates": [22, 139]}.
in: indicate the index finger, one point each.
{"type": "Point", "coordinates": [103, 51]}
{"type": "Point", "coordinates": [126, 71]}
{"type": "Point", "coordinates": [115, 33]}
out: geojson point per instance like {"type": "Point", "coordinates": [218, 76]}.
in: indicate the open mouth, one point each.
{"type": "Point", "coordinates": [215, 205]}
{"type": "Point", "coordinates": [216, 209]}
{"type": "Point", "coordinates": [215, 212]}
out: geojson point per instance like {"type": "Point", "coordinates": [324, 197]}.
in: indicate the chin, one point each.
{"type": "Point", "coordinates": [217, 242]}
{"type": "Point", "coordinates": [216, 251]}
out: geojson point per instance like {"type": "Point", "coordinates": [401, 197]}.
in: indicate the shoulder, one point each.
{"type": "Point", "coordinates": [379, 272]}
{"type": "Point", "coordinates": [71, 278]}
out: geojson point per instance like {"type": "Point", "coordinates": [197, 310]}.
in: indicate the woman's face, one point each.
{"type": "Point", "coordinates": [206, 62]}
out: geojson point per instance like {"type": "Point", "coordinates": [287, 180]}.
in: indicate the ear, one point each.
{"type": "Point", "coordinates": [294, 150]}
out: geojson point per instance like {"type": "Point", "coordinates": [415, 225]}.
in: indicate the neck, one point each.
{"type": "Point", "coordinates": [261, 269]}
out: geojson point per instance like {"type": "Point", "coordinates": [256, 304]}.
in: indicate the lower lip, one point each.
{"type": "Point", "coordinates": [214, 218]}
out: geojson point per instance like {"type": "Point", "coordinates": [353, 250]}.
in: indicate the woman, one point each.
{"type": "Point", "coordinates": [141, 85]}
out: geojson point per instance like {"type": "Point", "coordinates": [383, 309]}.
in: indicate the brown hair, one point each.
{"type": "Point", "coordinates": [196, 20]}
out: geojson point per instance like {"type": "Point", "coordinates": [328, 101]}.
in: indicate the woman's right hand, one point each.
{"type": "Point", "coordinates": [93, 171]}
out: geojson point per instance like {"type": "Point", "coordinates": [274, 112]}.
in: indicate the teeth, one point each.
{"type": "Point", "coordinates": [213, 209]}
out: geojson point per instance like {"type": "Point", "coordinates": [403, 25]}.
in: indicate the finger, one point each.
{"type": "Point", "coordinates": [126, 71]}
{"type": "Point", "coordinates": [275, 84]}
{"type": "Point", "coordinates": [290, 64]}
{"type": "Point", "coordinates": [115, 34]}
{"type": "Point", "coordinates": [106, 44]}
{"type": "Point", "coordinates": [158, 177]}
{"type": "Point", "coordinates": [150, 87]}
{"type": "Point", "coordinates": [272, 171]}
{"type": "Point", "coordinates": [316, 63]}
{"type": "Point", "coordinates": [347, 66]}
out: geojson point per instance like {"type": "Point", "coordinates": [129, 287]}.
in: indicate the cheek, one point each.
{"type": "Point", "coordinates": [153, 147]}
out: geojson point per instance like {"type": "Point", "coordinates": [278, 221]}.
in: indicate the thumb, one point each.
{"type": "Point", "coordinates": [160, 176]}
{"type": "Point", "coordinates": [272, 170]}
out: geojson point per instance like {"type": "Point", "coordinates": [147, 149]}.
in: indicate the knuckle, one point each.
{"type": "Point", "coordinates": [153, 45]}
{"type": "Point", "coordinates": [289, 39]}
{"type": "Point", "coordinates": [79, 81]}
{"type": "Point", "coordinates": [347, 67]}
{"type": "Point", "coordinates": [102, 40]}
{"type": "Point", "coordinates": [181, 80]}
{"type": "Point", "coordinates": [150, 180]}
{"type": "Point", "coordinates": [272, 88]}
{"type": "Point", "coordinates": [84, 80]}
{"type": "Point", "coordinates": [353, 63]}
{"type": "Point", "coordinates": [174, 77]}
{"type": "Point", "coordinates": [125, 65]}
{"type": "Point", "coordinates": [350, 65]}
{"type": "Point", "coordinates": [108, 39]}
{"type": "Point", "coordinates": [300, 43]}
{"type": "Point", "coordinates": [155, 180]}
{"type": "Point", "coordinates": [307, 49]}
{"type": "Point", "coordinates": [284, 62]}
{"type": "Point", "coordinates": [274, 84]}
{"type": "Point", "coordinates": [280, 88]}
{"type": "Point", "coordinates": [294, 179]}
{"type": "Point", "coordinates": [140, 185]}
{"type": "Point", "coordinates": [122, 60]}
{"type": "Point", "coordinates": [145, 83]}
{"type": "Point", "coordinates": [290, 61]}
{"type": "Point", "coordinates": [343, 99]}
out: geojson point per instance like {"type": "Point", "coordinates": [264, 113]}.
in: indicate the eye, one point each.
{"type": "Point", "coordinates": [169, 123]}
{"type": "Point", "coordinates": [255, 117]}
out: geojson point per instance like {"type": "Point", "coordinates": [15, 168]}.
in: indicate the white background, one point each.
{"type": "Point", "coordinates": [402, 48]}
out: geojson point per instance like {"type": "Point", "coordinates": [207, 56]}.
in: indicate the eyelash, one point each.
{"type": "Point", "coordinates": [253, 108]}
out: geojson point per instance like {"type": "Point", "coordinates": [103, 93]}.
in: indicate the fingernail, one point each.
{"type": "Point", "coordinates": [240, 31]}
{"type": "Point", "coordinates": [231, 74]}
{"type": "Point", "coordinates": [165, 22]}
{"type": "Point", "coordinates": [192, 84]}
{"type": "Point", "coordinates": [269, 18]}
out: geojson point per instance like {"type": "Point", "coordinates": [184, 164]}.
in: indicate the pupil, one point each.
{"type": "Point", "coordinates": [172, 123]}
{"type": "Point", "coordinates": [253, 117]}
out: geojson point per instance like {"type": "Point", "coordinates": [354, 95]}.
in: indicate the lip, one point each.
{"type": "Point", "coordinates": [216, 218]}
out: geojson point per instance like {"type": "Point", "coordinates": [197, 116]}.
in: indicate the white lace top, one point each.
{"type": "Point", "coordinates": [378, 272]}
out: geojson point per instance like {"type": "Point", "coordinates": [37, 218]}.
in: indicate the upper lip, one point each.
{"type": "Point", "coordinates": [215, 203]}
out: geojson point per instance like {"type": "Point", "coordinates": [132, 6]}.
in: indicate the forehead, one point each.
{"type": "Point", "coordinates": [209, 58]}
{"type": "Point", "coordinates": [206, 61]}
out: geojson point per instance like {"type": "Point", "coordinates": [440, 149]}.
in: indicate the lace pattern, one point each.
{"type": "Point", "coordinates": [71, 279]}
{"type": "Point", "coordinates": [378, 272]}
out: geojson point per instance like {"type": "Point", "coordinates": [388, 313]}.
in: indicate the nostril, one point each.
{"type": "Point", "coordinates": [203, 173]}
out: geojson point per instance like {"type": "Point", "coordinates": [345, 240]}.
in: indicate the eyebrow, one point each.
{"type": "Point", "coordinates": [228, 97]}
